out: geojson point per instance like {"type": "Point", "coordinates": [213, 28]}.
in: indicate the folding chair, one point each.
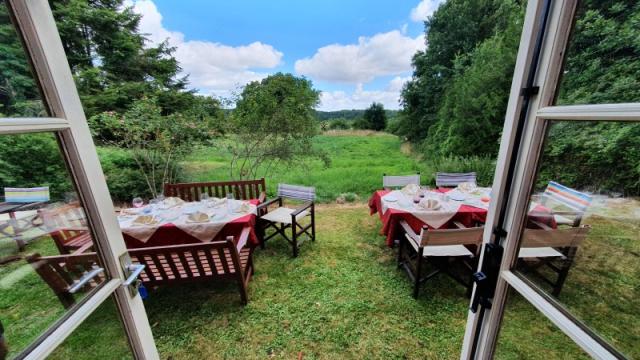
{"type": "Point", "coordinates": [283, 218]}
{"type": "Point", "coordinates": [395, 181]}
{"type": "Point", "coordinates": [454, 179]}
{"type": "Point", "coordinates": [553, 248]}
{"type": "Point", "coordinates": [574, 203]}
{"type": "Point", "coordinates": [444, 249]}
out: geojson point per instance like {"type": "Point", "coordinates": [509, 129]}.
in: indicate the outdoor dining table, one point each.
{"type": "Point", "coordinates": [173, 226]}
{"type": "Point", "coordinates": [469, 212]}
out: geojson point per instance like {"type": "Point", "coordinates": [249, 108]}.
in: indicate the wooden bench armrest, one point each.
{"type": "Point", "coordinates": [83, 248]}
{"type": "Point", "coordinates": [302, 208]}
{"type": "Point", "coordinates": [263, 197]}
{"type": "Point", "coordinates": [459, 225]}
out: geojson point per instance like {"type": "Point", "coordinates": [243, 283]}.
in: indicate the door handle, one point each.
{"type": "Point", "coordinates": [134, 271]}
{"type": "Point", "coordinates": [85, 279]}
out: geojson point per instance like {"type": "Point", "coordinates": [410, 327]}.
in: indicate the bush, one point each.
{"type": "Point", "coordinates": [123, 174]}
{"type": "Point", "coordinates": [339, 124]}
{"type": "Point", "coordinates": [484, 167]}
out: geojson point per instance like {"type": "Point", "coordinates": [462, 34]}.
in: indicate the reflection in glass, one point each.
{"type": "Point", "coordinates": [46, 263]}
{"type": "Point", "coordinates": [526, 334]}
{"type": "Point", "coordinates": [581, 244]}
{"type": "Point", "coordinates": [603, 57]}
{"type": "Point", "coordinates": [100, 336]}
{"type": "Point", "coordinates": [19, 94]}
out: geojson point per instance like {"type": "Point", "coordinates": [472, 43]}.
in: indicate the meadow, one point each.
{"type": "Point", "coordinates": [344, 297]}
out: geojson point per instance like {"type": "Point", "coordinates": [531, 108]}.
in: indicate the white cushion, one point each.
{"type": "Point", "coordinates": [283, 215]}
{"type": "Point", "coordinates": [446, 250]}
{"type": "Point", "coordinates": [537, 252]}
{"type": "Point", "coordinates": [561, 220]}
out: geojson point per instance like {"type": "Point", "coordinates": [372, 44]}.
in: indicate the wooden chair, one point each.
{"type": "Point", "coordinates": [443, 249]}
{"type": "Point", "coordinates": [569, 204]}
{"type": "Point", "coordinates": [164, 265]}
{"type": "Point", "coordinates": [554, 248]}
{"type": "Point", "coordinates": [454, 179]}
{"type": "Point", "coordinates": [283, 218]}
{"type": "Point", "coordinates": [241, 189]}
{"type": "Point", "coordinates": [396, 181]}
{"type": "Point", "coordinates": [67, 226]}
{"type": "Point", "coordinates": [63, 274]}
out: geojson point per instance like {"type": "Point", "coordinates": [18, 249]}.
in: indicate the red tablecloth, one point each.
{"type": "Point", "coordinates": [466, 215]}
{"type": "Point", "coordinates": [170, 234]}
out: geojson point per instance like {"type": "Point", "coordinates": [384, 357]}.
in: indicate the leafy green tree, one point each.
{"type": "Point", "coordinates": [157, 142]}
{"type": "Point", "coordinates": [273, 123]}
{"type": "Point", "coordinates": [375, 118]}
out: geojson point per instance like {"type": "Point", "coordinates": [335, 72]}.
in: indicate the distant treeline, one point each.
{"type": "Point", "coordinates": [348, 114]}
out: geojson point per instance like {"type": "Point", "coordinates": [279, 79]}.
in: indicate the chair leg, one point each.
{"type": "Point", "coordinates": [313, 222]}
{"type": "Point", "coordinates": [400, 246]}
{"type": "Point", "coordinates": [261, 233]}
{"type": "Point", "coordinates": [242, 287]}
{"type": "Point", "coordinates": [294, 237]}
{"type": "Point", "coordinates": [416, 280]}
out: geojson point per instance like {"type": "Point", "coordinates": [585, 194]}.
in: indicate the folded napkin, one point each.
{"type": "Point", "coordinates": [430, 204]}
{"type": "Point", "coordinates": [410, 189]}
{"type": "Point", "coordinates": [244, 207]}
{"type": "Point", "coordinates": [198, 217]}
{"type": "Point", "coordinates": [130, 211]}
{"type": "Point", "coordinates": [215, 202]}
{"type": "Point", "coordinates": [467, 187]}
{"type": "Point", "coordinates": [172, 202]}
{"type": "Point", "coordinates": [145, 220]}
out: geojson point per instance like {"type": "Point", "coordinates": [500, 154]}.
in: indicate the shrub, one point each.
{"type": "Point", "coordinates": [122, 174]}
{"type": "Point", "coordinates": [339, 124]}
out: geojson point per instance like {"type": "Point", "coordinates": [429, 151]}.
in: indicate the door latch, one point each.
{"type": "Point", "coordinates": [487, 278]}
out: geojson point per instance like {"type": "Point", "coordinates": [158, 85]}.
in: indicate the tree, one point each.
{"type": "Point", "coordinates": [156, 142]}
{"type": "Point", "coordinates": [273, 123]}
{"type": "Point", "coordinates": [375, 118]}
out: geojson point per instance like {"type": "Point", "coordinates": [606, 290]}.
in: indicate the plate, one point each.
{"type": "Point", "coordinates": [390, 198]}
{"type": "Point", "coordinates": [457, 197]}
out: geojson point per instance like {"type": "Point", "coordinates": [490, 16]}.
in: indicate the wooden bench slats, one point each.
{"type": "Point", "coordinates": [241, 189]}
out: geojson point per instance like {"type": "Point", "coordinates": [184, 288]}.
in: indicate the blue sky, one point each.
{"type": "Point", "coordinates": [355, 52]}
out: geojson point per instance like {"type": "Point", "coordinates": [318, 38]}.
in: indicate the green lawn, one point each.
{"type": "Point", "coordinates": [343, 297]}
{"type": "Point", "coordinates": [357, 165]}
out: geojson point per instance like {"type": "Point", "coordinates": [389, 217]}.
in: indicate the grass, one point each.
{"type": "Point", "coordinates": [343, 297]}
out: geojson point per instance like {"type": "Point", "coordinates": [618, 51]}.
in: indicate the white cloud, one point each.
{"type": "Point", "coordinates": [424, 9]}
{"type": "Point", "coordinates": [213, 68]}
{"type": "Point", "coordinates": [361, 99]}
{"type": "Point", "coordinates": [380, 55]}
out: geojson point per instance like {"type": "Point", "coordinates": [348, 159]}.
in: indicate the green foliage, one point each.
{"type": "Point", "coordinates": [273, 123]}
{"type": "Point", "coordinates": [32, 160]}
{"type": "Point", "coordinates": [339, 124]}
{"type": "Point", "coordinates": [484, 167]}
{"type": "Point", "coordinates": [122, 174]}
{"type": "Point", "coordinates": [375, 117]}
{"type": "Point", "coordinates": [156, 142]}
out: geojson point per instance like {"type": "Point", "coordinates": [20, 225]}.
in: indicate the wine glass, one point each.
{"type": "Point", "coordinates": [204, 199]}
{"type": "Point", "coordinates": [160, 197]}
{"type": "Point", "coordinates": [137, 202]}
{"type": "Point", "coordinates": [229, 202]}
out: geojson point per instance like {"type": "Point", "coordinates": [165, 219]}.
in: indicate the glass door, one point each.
{"type": "Point", "coordinates": [561, 241]}
{"type": "Point", "coordinates": [63, 262]}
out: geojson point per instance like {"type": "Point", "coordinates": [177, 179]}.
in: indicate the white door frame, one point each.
{"type": "Point", "coordinates": [511, 191]}
{"type": "Point", "coordinates": [36, 26]}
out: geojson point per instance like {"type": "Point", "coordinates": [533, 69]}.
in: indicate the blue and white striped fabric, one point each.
{"type": "Point", "coordinates": [454, 179]}
{"type": "Point", "coordinates": [26, 195]}
{"type": "Point", "coordinates": [567, 196]}
{"type": "Point", "coordinates": [297, 192]}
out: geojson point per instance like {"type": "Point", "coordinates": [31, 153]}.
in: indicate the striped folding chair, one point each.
{"type": "Point", "coordinates": [397, 181]}
{"type": "Point", "coordinates": [282, 218]}
{"type": "Point", "coordinates": [22, 203]}
{"type": "Point", "coordinates": [26, 195]}
{"type": "Point", "coordinates": [575, 203]}
{"type": "Point", "coordinates": [454, 179]}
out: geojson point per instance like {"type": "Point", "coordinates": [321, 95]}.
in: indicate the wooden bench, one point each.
{"type": "Point", "coordinates": [241, 189]}
{"type": "Point", "coordinates": [164, 265]}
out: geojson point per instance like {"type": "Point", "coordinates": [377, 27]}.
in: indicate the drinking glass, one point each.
{"type": "Point", "coordinates": [204, 199]}
{"type": "Point", "coordinates": [137, 202]}
{"type": "Point", "coordinates": [160, 197]}
{"type": "Point", "coordinates": [229, 203]}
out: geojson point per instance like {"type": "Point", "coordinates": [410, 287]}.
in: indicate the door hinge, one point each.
{"type": "Point", "coordinates": [487, 278]}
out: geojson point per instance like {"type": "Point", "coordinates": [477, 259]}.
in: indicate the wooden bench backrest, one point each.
{"type": "Point", "coordinates": [241, 189]}
{"type": "Point", "coordinates": [61, 271]}
{"type": "Point", "coordinates": [189, 262]}
{"type": "Point", "coordinates": [64, 223]}
{"type": "Point", "coordinates": [566, 237]}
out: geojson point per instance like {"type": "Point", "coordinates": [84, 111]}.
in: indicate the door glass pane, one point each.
{"type": "Point", "coordinates": [582, 238]}
{"type": "Point", "coordinates": [603, 56]}
{"type": "Point", "coordinates": [101, 335]}
{"type": "Point", "coordinates": [19, 92]}
{"type": "Point", "coordinates": [45, 243]}
{"type": "Point", "coordinates": [527, 334]}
